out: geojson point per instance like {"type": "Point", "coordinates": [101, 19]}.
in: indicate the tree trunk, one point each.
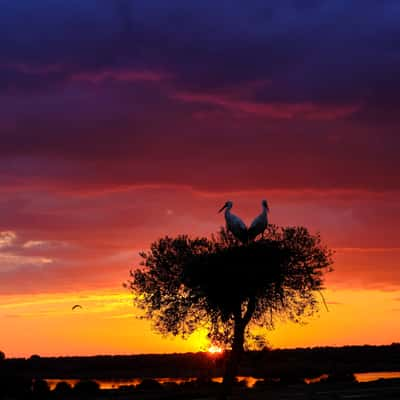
{"type": "Point", "coordinates": [232, 364]}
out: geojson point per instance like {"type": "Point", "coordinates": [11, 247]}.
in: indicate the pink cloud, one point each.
{"type": "Point", "coordinates": [301, 110]}
{"type": "Point", "coordinates": [123, 75]}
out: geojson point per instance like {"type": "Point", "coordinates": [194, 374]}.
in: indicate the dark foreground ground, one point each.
{"type": "Point", "coordinates": [385, 390]}
{"type": "Point", "coordinates": [288, 364]}
{"type": "Point", "coordinates": [284, 373]}
{"type": "Point", "coordinates": [341, 387]}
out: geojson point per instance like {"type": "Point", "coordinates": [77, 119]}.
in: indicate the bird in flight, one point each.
{"type": "Point", "coordinates": [76, 306]}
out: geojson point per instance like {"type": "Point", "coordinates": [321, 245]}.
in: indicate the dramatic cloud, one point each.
{"type": "Point", "coordinates": [123, 121]}
{"type": "Point", "coordinates": [311, 51]}
{"type": "Point", "coordinates": [7, 238]}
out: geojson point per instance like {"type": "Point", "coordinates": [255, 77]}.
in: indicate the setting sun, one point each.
{"type": "Point", "coordinates": [215, 349]}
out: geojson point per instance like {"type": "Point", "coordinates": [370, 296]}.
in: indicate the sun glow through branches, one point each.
{"type": "Point", "coordinates": [215, 349]}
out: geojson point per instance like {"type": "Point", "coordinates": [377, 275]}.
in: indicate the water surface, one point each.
{"type": "Point", "coordinates": [250, 380]}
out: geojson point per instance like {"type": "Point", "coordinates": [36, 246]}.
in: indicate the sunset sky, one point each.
{"type": "Point", "coordinates": [123, 121]}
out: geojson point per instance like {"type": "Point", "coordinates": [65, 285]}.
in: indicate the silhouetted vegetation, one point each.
{"type": "Point", "coordinates": [230, 288]}
{"type": "Point", "coordinates": [282, 373]}
{"type": "Point", "coordinates": [15, 387]}
{"type": "Point", "coordinates": [86, 388]}
{"type": "Point", "coordinates": [2, 356]}
{"type": "Point", "coordinates": [149, 384]}
{"type": "Point", "coordinates": [309, 362]}
{"type": "Point", "coordinates": [40, 389]}
{"type": "Point", "coordinates": [63, 390]}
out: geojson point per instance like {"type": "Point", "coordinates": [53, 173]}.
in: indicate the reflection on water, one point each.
{"type": "Point", "coordinates": [116, 383]}
{"type": "Point", "coordinates": [374, 376]}
{"type": "Point", "coordinates": [104, 383]}
{"type": "Point", "coordinates": [317, 379]}
{"type": "Point", "coordinates": [361, 376]}
{"type": "Point", "coordinates": [250, 380]}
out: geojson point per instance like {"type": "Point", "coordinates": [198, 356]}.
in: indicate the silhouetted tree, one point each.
{"type": "Point", "coordinates": [40, 389]}
{"type": "Point", "coordinates": [230, 288]}
{"type": "Point", "coordinates": [86, 388]}
{"type": "Point", "coordinates": [62, 389]}
{"type": "Point", "coordinates": [2, 356]}
{"type": "Point", "coordinates": [149, 385]}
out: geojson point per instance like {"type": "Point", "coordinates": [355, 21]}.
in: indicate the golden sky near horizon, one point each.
{"type": "Point", "coordinates": [107, 324]}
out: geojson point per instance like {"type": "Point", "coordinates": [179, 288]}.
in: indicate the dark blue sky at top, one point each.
{"type": "Point", "coordinates": [58, 110]}
{"type": "Point", "coordinates": [319, 50]}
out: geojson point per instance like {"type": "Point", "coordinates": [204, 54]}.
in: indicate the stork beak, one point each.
{"type": "Point", "coordinates": [222, 208]}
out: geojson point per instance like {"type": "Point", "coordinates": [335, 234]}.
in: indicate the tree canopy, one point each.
{"type": "Point", "coordinates": [228, 287]}
{"type": "Point", "coordinates": [185, 283]}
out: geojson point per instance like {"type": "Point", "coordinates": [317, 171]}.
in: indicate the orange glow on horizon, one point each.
{"type": "Point", "coordinates": [107, 324]}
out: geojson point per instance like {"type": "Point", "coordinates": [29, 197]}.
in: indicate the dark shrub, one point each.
{"type": "Point", "coordinates": [86, 387]}
{"type": "Point", "coordinates": [63, 389]}
{"type": "Point", "coordinates": [40, 388]}
{"type": "Point", "coordinates": [149, 384]}
{"type": "Point", "coordinates": [171, 386]}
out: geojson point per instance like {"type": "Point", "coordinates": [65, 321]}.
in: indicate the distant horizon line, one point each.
{"type": "Point", "coordinates": [34, 355]}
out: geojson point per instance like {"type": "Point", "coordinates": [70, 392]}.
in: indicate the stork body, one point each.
{"type": "Point", "coordinates": [234, 224]}
{"type": "Point", "coordinates": [260, 223]}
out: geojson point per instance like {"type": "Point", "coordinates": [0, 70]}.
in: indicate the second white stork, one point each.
{"type": "Point", "coordinates": [233, 223]}
{"type": "Point", "coordinates": [260, 223]}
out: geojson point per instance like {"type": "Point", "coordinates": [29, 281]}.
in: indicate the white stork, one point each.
{"type": "Point", "coordinates": [234, 224]}
{"type": "Point", "coordinates": [260, 223]}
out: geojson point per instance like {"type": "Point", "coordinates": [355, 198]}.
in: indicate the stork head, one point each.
{"type": "Point", "coordinates": [227, 205]}
{"type": "Point", "coordinates": [265, 204]}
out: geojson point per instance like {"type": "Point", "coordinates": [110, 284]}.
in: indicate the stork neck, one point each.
{"type": "Point", "coordinates": [264, 211]}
